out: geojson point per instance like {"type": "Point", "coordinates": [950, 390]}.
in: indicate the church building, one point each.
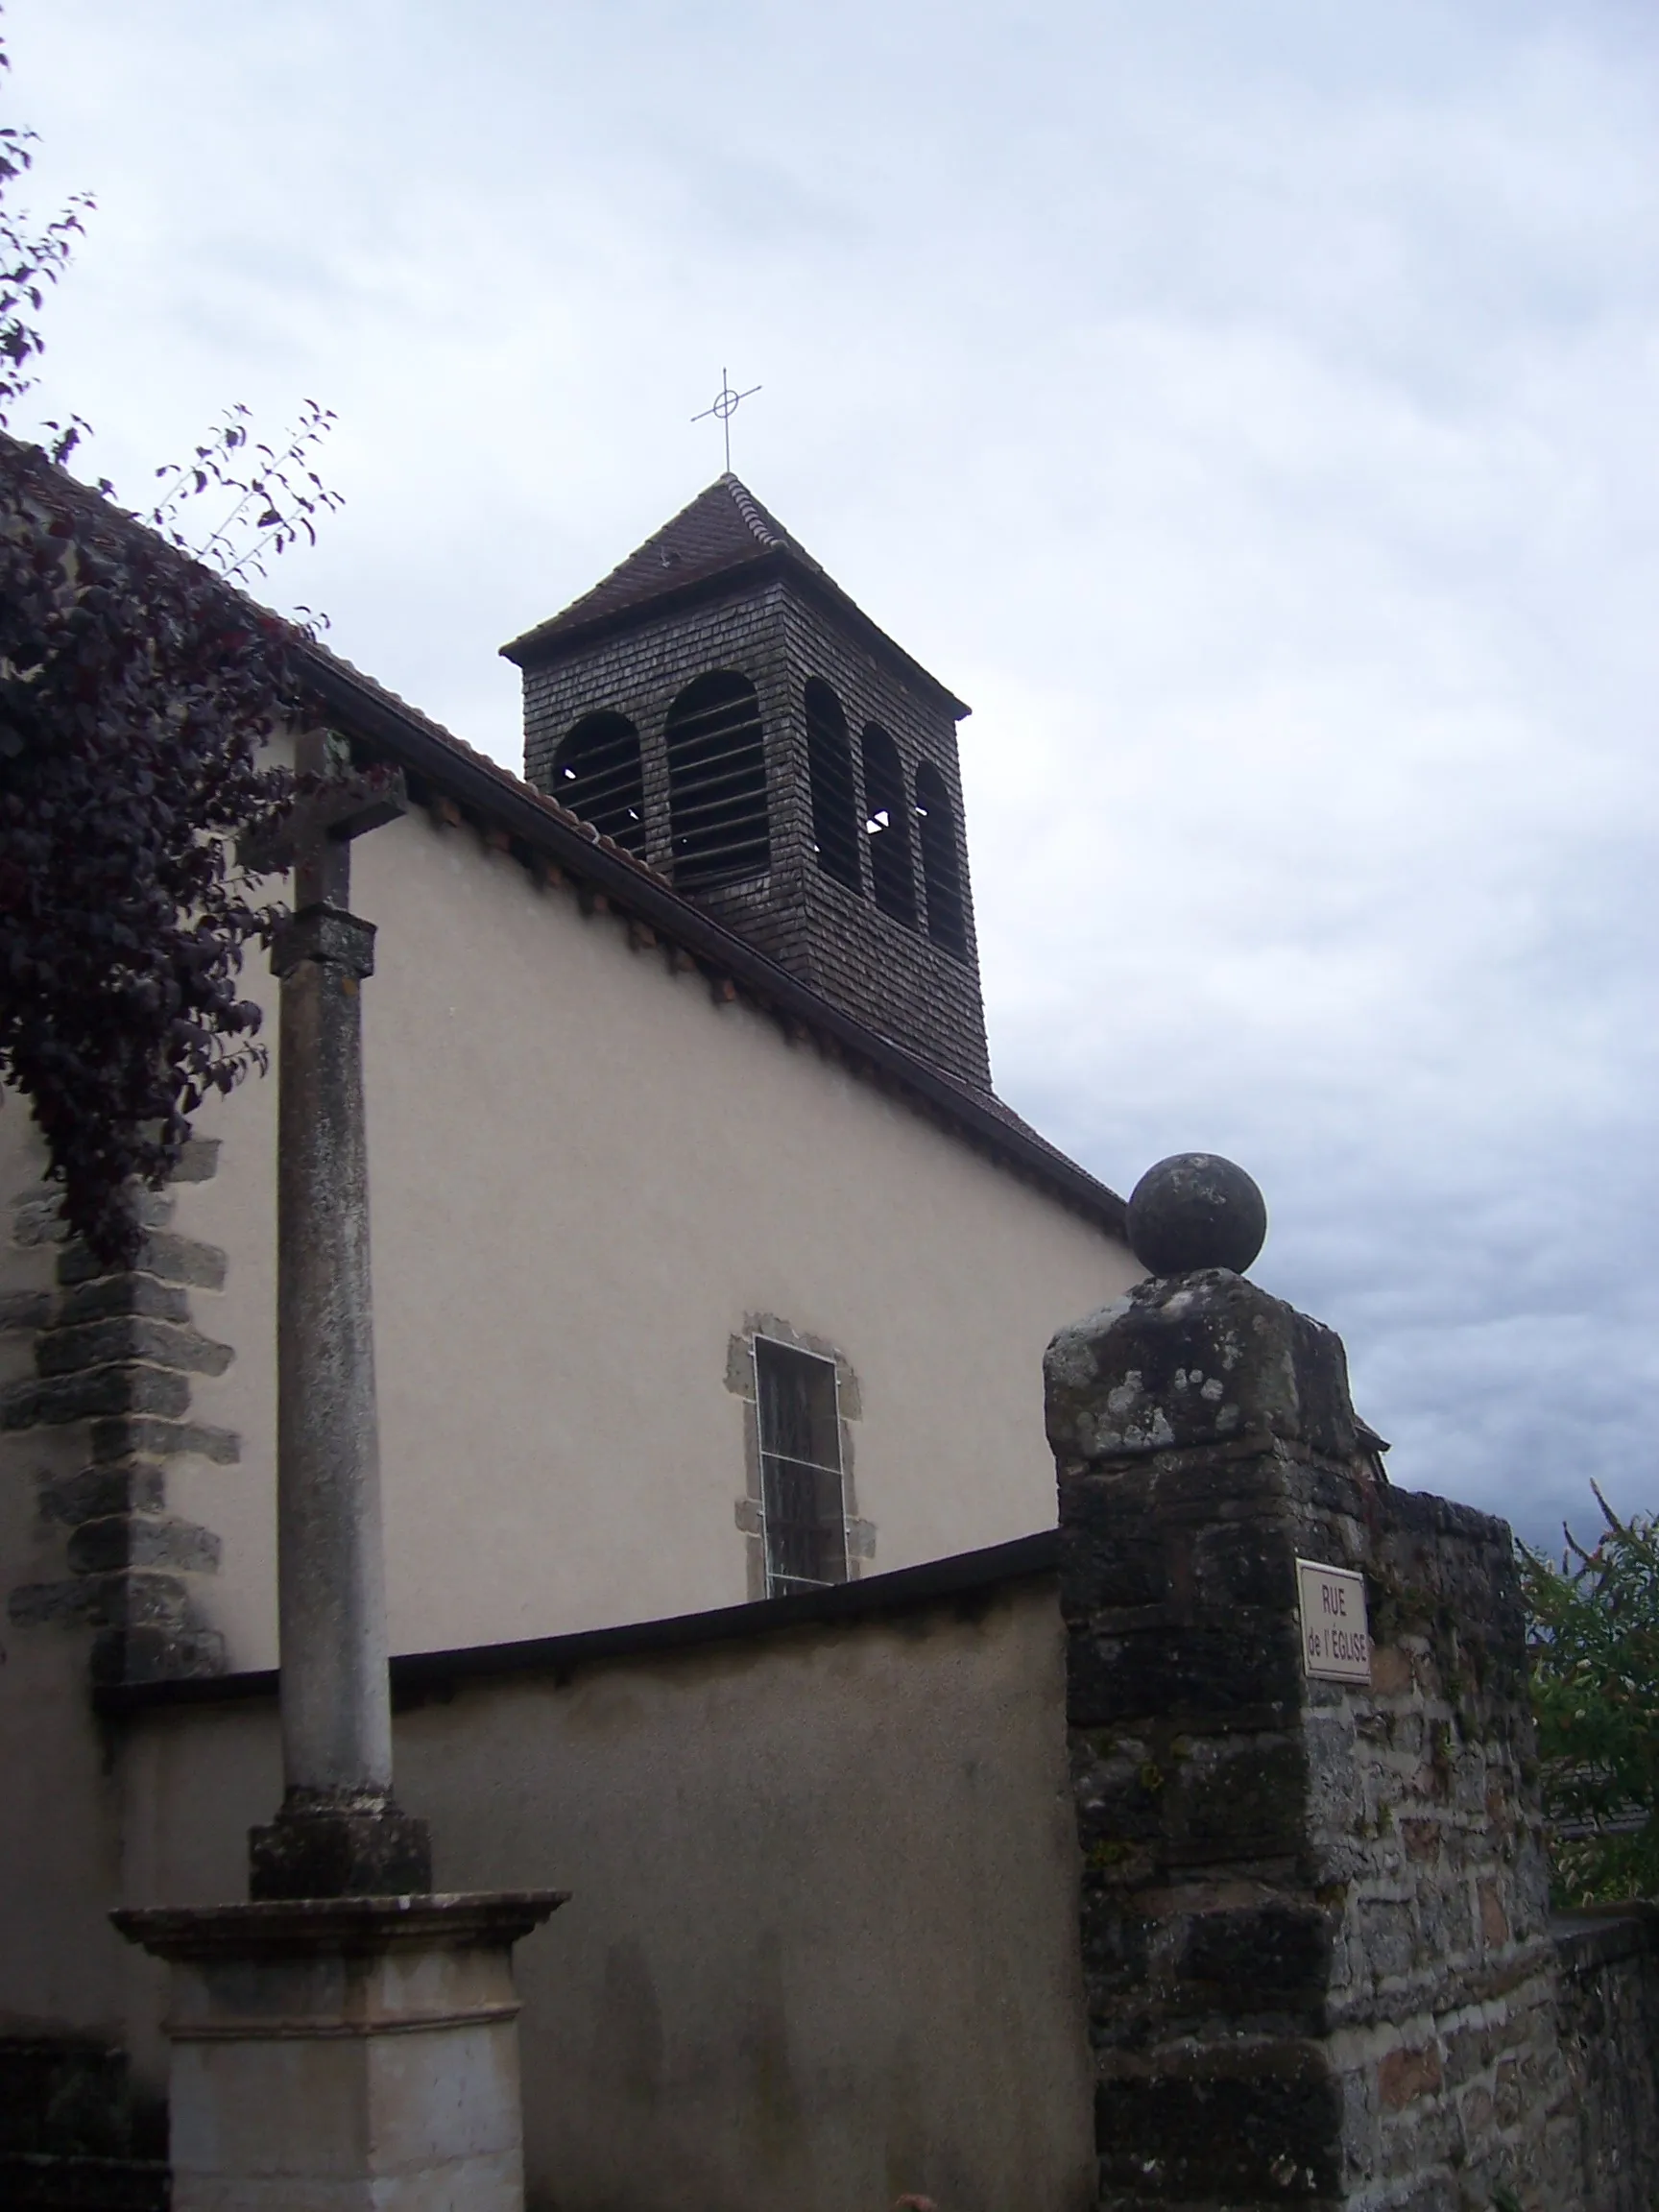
{"type": "Point", "coordinates": [708, 1265]}
{"type": "Point", "coordinates": [709, 1269]}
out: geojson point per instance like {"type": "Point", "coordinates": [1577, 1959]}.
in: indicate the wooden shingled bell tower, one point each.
{"type": "Point", "coordinates": [720, 707]}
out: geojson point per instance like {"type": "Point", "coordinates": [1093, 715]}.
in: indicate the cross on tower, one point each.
{"type": "Point", "coordinates": [726, 404]}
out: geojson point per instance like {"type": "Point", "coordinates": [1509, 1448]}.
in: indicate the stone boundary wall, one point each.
{"type": "Point", "coordinates": [1314, 1916]}
{"type": "Point", "coordinates": [820, 1861]}
{"type": "Point", "coordinates": [1610, 2033]}
{"type": "Point", "coordinates": [821, 1944]}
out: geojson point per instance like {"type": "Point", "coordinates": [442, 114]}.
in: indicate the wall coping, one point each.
{"type": "Point", "coordinates": [1599, 1934]}
{"type": "Point", "coordinates": [968, 1579]}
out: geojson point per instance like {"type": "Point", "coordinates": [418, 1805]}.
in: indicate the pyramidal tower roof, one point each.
{"type": "Point", "coordinates": [722, 536]}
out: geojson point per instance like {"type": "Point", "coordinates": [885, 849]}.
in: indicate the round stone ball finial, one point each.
{"type": "Point", "coordinates": [1197, 1210]}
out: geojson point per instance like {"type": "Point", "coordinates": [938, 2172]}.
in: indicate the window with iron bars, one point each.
{"type": "Point", "coordinates": [802, 1502]}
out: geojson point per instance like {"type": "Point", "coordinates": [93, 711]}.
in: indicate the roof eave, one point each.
{"type": "Point", "coordinates": [557, 638]}
{"type": "Point", "coordinates": [527, 817]}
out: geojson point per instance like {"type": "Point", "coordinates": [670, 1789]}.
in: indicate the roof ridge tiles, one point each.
{"type": "Point", "coordinates": [766, 527]}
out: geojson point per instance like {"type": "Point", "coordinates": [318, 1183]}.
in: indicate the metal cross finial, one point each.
{"type": "Point", "coordinates": [724, 408]}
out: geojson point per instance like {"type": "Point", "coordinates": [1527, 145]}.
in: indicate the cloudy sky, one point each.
{"type": "Point", "coordinates": [1249, 405]}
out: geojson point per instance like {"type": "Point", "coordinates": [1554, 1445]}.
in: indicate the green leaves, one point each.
{"type": "Point", "coordinates": [1594, 1635]}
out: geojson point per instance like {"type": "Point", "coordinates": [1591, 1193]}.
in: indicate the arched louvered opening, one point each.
{"type": "Point", "coordinates": [717, 781]}
{"type": "Point", "coordinates": [597, 774]}
{"type": "Point", "coordinates": [887, 824]}
{"type": "Point", "coordinates": [941, 870]}
{"type": "Point", "coordinates": [834, 801]}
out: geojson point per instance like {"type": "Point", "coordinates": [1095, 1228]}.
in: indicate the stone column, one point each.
{"type": "Point", "coordinates": [344, 2039]}
{"type": "Point", "coordinates": [1314, 1938]}
{"type": "Point", "coordinates": [338, 1832]}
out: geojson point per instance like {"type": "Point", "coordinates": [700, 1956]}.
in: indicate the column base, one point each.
{"type": "Point", "coordinates": [325, 1850]}
{"type": "Point", "coordinates": [345, 2053]}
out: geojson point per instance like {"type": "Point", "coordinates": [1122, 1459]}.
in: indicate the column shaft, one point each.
{"type": "Point", "coordinates": [336, 1708]}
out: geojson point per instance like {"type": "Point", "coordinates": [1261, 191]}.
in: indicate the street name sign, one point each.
{"type": "Point", "coordinates": [1335, 1635]}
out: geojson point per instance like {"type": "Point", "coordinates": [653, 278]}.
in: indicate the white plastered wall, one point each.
{"type": "Point", "coordinates": [585, 1175]}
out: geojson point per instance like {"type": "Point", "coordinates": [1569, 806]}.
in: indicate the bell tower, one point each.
{"type": "Point", "coordinates": [722, 709]}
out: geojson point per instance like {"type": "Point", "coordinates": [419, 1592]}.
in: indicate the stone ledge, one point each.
{"type": "Point", "coordinates": [125, 1539]}
{"type": "Point", "coordinates": [968, 1582]}
{"type": "Point", "coordinates": [144, 1436]}
{"type": "Point", "coordinates": [145, 1652]}
{"type": "Point", "coordinates": [125, 1487]}
{"type": "Point", "coordinates": [130, 1337]}
{"type": "Point", "coordinates": [299, 1927]}
{"type": "Point", "coordinates": [92, 1393]}
{"type": "Point", "coordinates": [123, 1598]}
{"type": "Point", "coordinates": [111, 1295]}
{"type": "Point", "coordinates": [1598, 1935]}
{"type": "Point", "coordinates": [172, 1259]}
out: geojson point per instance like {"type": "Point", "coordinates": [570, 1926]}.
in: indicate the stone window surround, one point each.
{"type": "Point", "coordinates": [740, 1381]}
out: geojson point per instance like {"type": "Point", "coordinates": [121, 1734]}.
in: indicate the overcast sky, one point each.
{"type": "Point", "coordinates": [1249, 405]}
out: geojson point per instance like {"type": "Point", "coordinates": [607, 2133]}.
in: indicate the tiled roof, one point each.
{"type": "Point", "coordinates": [724, 532]}
{"type": "Point", "coordinates": [725, 527]}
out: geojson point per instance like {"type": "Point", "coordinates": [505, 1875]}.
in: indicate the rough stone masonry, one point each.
{"type": "Point", "coordinates": [1315, 1934]}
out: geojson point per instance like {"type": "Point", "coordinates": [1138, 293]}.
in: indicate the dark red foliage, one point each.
{"type": "Point", "coordinates": [137, 690]}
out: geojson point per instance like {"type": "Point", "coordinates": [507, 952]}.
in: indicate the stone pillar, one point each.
{"type": "Point", "coordinates": [339, 1831]}
{"type": "Point", "coordinates": [358, 2052]}
{"type": "Point", "coordinates": [1315, 1936]}
{"type": "Point", "coordinates": [345, 2040]}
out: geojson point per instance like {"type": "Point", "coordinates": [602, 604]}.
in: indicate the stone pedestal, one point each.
{"type": "Point", "coordinates": [345, 2053]}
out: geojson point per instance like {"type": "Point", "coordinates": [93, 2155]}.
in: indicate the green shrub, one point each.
{"type": "Point", "coordinates": [1592, 1624]}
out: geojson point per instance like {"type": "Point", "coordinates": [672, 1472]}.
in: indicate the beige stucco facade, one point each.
{"type": "Point", "coordinates": [587, 1177]}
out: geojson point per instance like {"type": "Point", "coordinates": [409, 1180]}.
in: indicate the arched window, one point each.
{"type": "Point", "coordinates": [597, 774]}
{"type": "Point", "coordinates": [834, 802]}
{"type": "Point", "coordinates": [941, 871]}
{"type": "Point", "coordinates": [887, 823]}
{"type": "Point", "coordinates": [717, 781]}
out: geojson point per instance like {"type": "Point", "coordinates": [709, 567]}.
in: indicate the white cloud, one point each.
{"type": "Point", "coordinates": [1250, 410]}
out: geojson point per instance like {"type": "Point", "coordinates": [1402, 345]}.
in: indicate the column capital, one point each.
{"type": "Point", "coordinates": [326, 934]}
